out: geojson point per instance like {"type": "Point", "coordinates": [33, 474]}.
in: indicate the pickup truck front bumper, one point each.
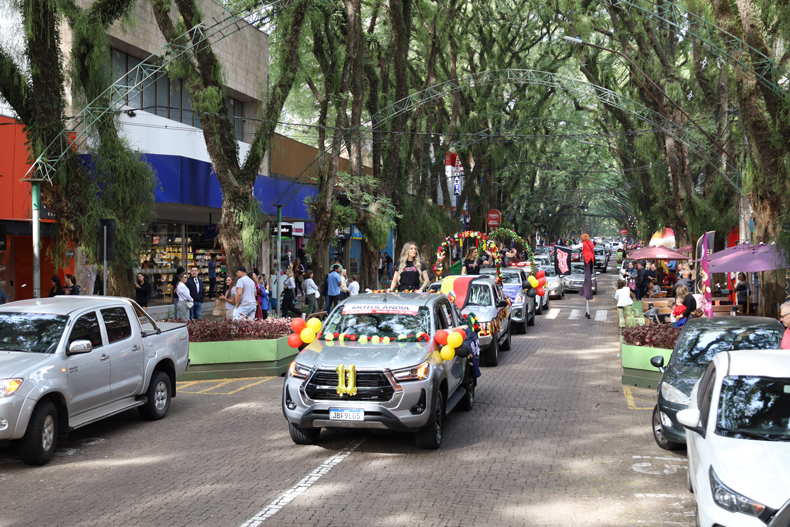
{"type": "Point", "coordinates": [401, 412]}
{"type": "Point", "coordinates": [14, 415]}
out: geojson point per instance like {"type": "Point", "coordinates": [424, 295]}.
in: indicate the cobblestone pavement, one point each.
{"type": "Point", "coordinates": [554, 439]}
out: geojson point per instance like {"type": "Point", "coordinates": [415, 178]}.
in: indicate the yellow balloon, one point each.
{"type": "Point", "coordinates": [314, 324]}
{"type": "Point", "coordinates": [436, 357]}
{"type": "Point", "coordinates": [307, 335]}
{"type": "Point", "coordinates": [455, 339]}
{"type": "Point", "coordinates": [447, 353]}
{"type": "Point", "coordinates": [533, 281]}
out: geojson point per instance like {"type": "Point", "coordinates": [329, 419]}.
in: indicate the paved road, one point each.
{"type": "Point", "coordinates": [554, 439]}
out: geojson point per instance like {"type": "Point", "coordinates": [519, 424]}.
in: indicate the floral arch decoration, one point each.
{"type": "Point", "coordinates": [480, 238]}
{"type": "Point", "coordinates": [503, 233]}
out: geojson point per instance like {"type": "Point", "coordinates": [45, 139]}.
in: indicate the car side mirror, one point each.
{"type": "Point", "coordinates": [80, 346]}
{"type": "Point", "coordinates": [689, 418]}
{"type": "Point", "coordinates": [501, 303]}
{"type": "Point", "coordinates": [658, 362]}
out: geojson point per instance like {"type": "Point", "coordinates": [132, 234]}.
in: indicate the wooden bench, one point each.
{"type": "Point", "coordinates": [647, 303]}
{"type": "Point", "coordinates": [726, 311]}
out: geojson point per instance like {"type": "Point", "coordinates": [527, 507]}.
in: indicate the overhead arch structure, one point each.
{"type": "Point", "coordinates": [585, 91]}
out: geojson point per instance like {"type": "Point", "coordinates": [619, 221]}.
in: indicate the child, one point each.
{"type": "Point", "coordinates": [678, 315]}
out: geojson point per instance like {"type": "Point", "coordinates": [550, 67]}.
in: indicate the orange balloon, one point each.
{"type": "Point", "coordinates": [441, 336]}
{"type": "Point", "coordinates": [294, 340]}
{"type": "Point", "coordinates": [298, 324]}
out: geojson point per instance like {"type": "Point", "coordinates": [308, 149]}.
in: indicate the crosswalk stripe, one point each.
{"type": "Point", "coordinates": [553, 313]}
{"type": "Point", "coordinates": [600, 315]}
{"type": "Point", "coordinates": [574, 314]}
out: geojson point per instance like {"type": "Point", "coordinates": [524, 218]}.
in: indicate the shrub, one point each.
{"type": "Point", "coordinates": [223, 329]}
{"type": "Point", "coordinates": [651, 335]}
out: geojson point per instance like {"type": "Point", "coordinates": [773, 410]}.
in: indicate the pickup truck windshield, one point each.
{"type": "Point", "coordinates": [382, 324]}
{"type": "Point", "coordinates": [511, 278]}
{"type": "Point", "coordinates": [32, 332]}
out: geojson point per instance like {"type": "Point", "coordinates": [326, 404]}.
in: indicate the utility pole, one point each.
{"type": "Point", "coordinates": [36, 219]}
{"type": "Point", "coordinates": [279, 251]}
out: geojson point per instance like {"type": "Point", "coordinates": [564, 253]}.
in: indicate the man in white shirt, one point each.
{"type": "Point", "coordinates": [245, 295]}
{"type": "Point", "coordinates": [353, 287]}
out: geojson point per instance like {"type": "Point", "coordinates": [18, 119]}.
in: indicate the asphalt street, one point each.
{"type": "Point", "coordinates": [554, 439]}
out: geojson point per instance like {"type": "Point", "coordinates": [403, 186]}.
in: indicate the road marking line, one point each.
{"type": "Point", "coordinates": [553, 312]}
{"type": "Point", "coordinates": [574, 314]}
{"type": "Point", "coordinates": [672, 496]}
{"type": "Point", "coordinates": [249, 386]}
{"type": "Point", "coordinates": [186, 384]}
{"type": "Point", "coordinates": [308, 481]}
{"type": "Point", "coordinates": [600, 315]}
{"type": "Point", "coordinates": [213, 387]}
{"type": "Point", "coordinates": [629, 399]}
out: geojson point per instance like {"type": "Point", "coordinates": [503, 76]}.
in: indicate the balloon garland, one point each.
{"type": "Point", "coordinates": [459, 237]}
{"type": "Point", "coordinates": [503, 233]}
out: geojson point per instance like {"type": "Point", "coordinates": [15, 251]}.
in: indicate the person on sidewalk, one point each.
{"type": "Point", "coordinates": [588, 257]}
{"type": "Point", "coordinates": [641, 280]}
{"type": "Point", "coordinates": [261, 298]}
{"type": "Point", "coordinates": [310, 290]}
{"type": "Point", "coordinates": [353, 287]}
{"type": "Point", "coordinates": [245, 295]}
{"type": "Point", "coordinates": [227, 296]}
{"type": "Point", "coordinates": [195, 286]}
{"type": "Point", "coordinates": [623, 294]}
{"type": "Point", "coordinates": [143, 291]}
{"type": "Point", "coordinates": [184, 298]}
{"type": "Point", "coordinates": [784, 318]}
{"type": "Point", "coordinates": [289, 295]}
{"type": "Point", "coordinates": [333, 281]}
{"type": "Point", "coordinates": [70, 286]}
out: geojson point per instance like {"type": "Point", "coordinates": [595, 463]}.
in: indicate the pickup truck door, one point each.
{"type": "Point", "coordinates": [501, 312]}
{"type": "Point", "coordinates": [88, 373]}
{"type": "Point", "coordinates": [124, 345]}
{"type": "Point", "coordinates": [444, 320]}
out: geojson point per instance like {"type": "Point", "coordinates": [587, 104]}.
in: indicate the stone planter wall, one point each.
{"type": "Point", "coordinates": [238, 358]}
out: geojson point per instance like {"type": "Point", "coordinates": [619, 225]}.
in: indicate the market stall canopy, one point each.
{"type": "Point", "coordinates": [657, 253]}
{"type": "Point", "coordinates": [688, 249]}
{"type": "Point", "coordinates": [664, 237]}
{"type": "Point", "coordinates": [721, 256]}
{"type": "Point", "coordinates": [753, 259]}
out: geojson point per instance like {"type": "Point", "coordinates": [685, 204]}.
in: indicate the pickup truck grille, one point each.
{"type": "Point", "coordinates": [371, 386]}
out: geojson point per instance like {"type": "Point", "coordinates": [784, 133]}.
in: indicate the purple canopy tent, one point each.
{"type": "Point", "coordinates": [657, 253]}
{"type": "Point", "coordinates": [752, 259]}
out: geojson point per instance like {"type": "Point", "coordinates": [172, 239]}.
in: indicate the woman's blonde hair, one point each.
{"type": "Point", "coordinates": [682, 290]}
{"type": "Point", "coordinates": [289, 272]}
{"type": "Point", "coordinates": [404, 256]}
{"type": "Point", "coordinates": [469, 254]}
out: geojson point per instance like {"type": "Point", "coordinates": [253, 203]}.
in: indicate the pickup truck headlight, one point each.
{"type": "Point", "coordinates": [298, 371]}
{"type": "Point", "coordinates": [415, 373]}
{"type": "Point", "coordinates": [729, 500]}
{"type": "Point", "coordinates": [8, 387]}
{"type": "Point", "coordinates": [673, 395]}
{"type": "Point", "coordinates": [519, 298]}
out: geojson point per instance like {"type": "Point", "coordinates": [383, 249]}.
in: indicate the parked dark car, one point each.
{"type": "Point", "coordinates": [700, 340]}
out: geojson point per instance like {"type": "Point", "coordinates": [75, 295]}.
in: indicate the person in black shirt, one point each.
{"type": "Point", "coordinates": [57, 289]}
{"type": "Point", "coordinates": [143, 291]}
{"type": "Point", "coordinates": [411, 271]}
{"type": "Point", "coordinates": [471, 265]}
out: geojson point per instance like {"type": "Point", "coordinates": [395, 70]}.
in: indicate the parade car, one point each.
{"type": "Point", "coordinates": [482, 296]}
{"type": "Point", "coordinates": [379, 370]}
{"type": "Point", "coordinates": [601, 258]}
{"type": "Point", "coordinates": [554, 287]}
{"type": "Point", "coordinates": [575, 280]}
{"type": "Point", "coordinates": [524, 307]}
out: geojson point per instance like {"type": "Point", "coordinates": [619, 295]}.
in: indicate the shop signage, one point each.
{"type": "Point", "coordinates": [623, 231]}
{"type": "Point", "coordinates": [457, 186]}
{"type": "Point", "coordinates": [298, 228]}
{"type": "Point", "coordinates": [493, 218]}
{"type": "Point", "coordinates": [285, 230]}
{"type": "Point", "coordinates": [210, 232]}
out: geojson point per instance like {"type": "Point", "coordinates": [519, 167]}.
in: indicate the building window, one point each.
{"type": "Point", "coordinates": [167, 98]}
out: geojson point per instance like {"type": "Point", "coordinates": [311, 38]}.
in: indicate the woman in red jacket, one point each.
{"type": "Point", "coordinates": [588, 255]}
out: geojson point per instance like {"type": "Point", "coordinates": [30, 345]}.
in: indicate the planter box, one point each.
{"type": "Point", "coordinates": [238, 358]}
{"type": "Point", "coordinates": [636, 367]}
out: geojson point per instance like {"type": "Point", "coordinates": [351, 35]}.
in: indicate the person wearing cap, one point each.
{"type": "Point", "coordinates": [333, 281]}
{"type": "Point", "coordinates": [245, 295]}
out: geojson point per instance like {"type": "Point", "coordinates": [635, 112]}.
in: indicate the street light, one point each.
{"type": "Point", "coordinates": [578, 41]}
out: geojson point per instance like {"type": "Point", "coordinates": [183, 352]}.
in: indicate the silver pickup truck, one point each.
{"type": "Point", "coordinates": [66, 362]}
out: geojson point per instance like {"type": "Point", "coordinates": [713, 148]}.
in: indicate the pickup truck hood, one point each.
{"type": "Point", "coordinates": [483, 313]}
{"type": "Point", "coordinates": [327, 355]}
{"type": "Point", "coordinates": [167, 326]}
{"type": "Point", "coordinates": [13, 362]}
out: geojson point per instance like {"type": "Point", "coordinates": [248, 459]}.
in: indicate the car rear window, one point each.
{"type": "Point", "coordinates": [699, 344]}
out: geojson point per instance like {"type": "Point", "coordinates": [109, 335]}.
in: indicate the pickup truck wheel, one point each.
{"type": "Point", "coordinates": [302, 435]}
{"type": "Point", "coordinates": [468, 401]}
{"type": "Point", "coordinates": [506, 345]}
{"type": "Point", "coordinates": [158, 396]}
{"type": "Point", "coordinates": [530, 319]}
{"type": "Point", "coordinates": [41, 437]}
{"type": "Point", "coordinates": [430, 435]}
{"type": "Point", "coordinates": [491, 356]}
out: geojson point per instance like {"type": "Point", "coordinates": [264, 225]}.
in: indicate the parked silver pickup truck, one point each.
{"type": "Point", "coordinates": [66, 362]}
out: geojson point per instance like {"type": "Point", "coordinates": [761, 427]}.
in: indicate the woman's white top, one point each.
{"type": "Point", "coordinates": [289, 283]}
{"type": "Point", "coordinates": [183, 293]}
{"type": "Point", "coordinates": [230, 299]}
{"type": "Point", "coordinates": [309, 287]}
{"type": "Point", "coordinates": [353, 289]}
{"type": "Point", "coordinates": [343, 284]}
{"type": "Point", "coordinates": [623, 297]}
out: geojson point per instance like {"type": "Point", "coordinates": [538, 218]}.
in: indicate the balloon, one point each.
{"type": "Point", "coordinates": [532, 292]}
{"type": "Point", "coordinates": [294, 340]}
{"type": "Point", "coordinates": [542, 281]}
{"type": "Point", "coordinates": [307, 335]}
{"type": "Point", "coordinates": [540, 274]}
{"type": "Point", "coordinates": [298, 324]}
{"type": "Point", "coordinates": [447, 353]}
{"type": "Point", "coordinates": [463, 350]}
{"type": "Point", "coordinates": [533, 281]}
{"type": "Point", "coordinates": [540, 291]}
{"type": "Point", "coordinates": [314, 324]}
{"type": "Point", "coordinates": [454, 340]}
{"type": "Point", "coordinates": [461, 331]}
{"type": "Point", "coordinates": [441, 337]}
{"type": "Point", "coordinates": [436, 357]}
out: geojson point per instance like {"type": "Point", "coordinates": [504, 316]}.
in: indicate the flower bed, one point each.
{"type": "Point", "coordinates": [651, 335]}
{"type": "Point", "coordinates": [228, 330]}
{"type": "Point", "coordinates": [639, 344]}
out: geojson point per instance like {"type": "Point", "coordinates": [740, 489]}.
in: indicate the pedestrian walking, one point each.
{"type": "Point", "coordinates": [411, 272]}
{"type": "Point", "coordinates": [333, 281]}
{"type": "Point", "coordinates": [299, 275]}
{"type": "Point", "coordinates": [289, 295]}
{"type": "Point", "coordinates": [353, 287]}
{"type": "Point", "coordinates": [196, 290]}
{"type": "Point", "coordinates": [228, 296]}
{"type": "Point", "coordinates": [310, 292]}
{"type": "Point", "coordinates": [212, 275]}
{"type": "Point", "coordinates": [588, 256]}
{"type": "Point", "coordinates": [185, 301]}
{"type": "Point", "coordinates": [70, 286]}
{"type": "Point", "coordinates": [245, 295]}
{"type": "Point", "coordinates": [143, 291]}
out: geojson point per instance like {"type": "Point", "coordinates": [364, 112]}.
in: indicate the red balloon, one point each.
{"type": "Point", "coordinates": [298, 324]}
{"type": "Point", "coordinates": [540, 274]}
{"type": "Point", "coordinates": [441, 337]}
{"type": "Point", "coordinates": [462, 331]}
{"type": "Point", "coordinates": [541, 281]}
{"type": "Point", "coordinates": [540, 291]}
{"type": "Point", "coordinates": [294, 340]}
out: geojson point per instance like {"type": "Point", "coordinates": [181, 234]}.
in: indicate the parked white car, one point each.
{"type": "Point", "coordinates": [738, 437]}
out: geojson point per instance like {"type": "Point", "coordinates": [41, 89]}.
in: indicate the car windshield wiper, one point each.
{"type": "Point", "coordinates": [5, 346]}
{"type": "Point", "coordinates": [748, 433]}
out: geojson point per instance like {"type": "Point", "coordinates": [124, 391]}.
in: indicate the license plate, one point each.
{"type": "Point", "coordinates": [346, 414]}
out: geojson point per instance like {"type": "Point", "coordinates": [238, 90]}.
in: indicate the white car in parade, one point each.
{"type": "Point", "coordinates": [738, 437]}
